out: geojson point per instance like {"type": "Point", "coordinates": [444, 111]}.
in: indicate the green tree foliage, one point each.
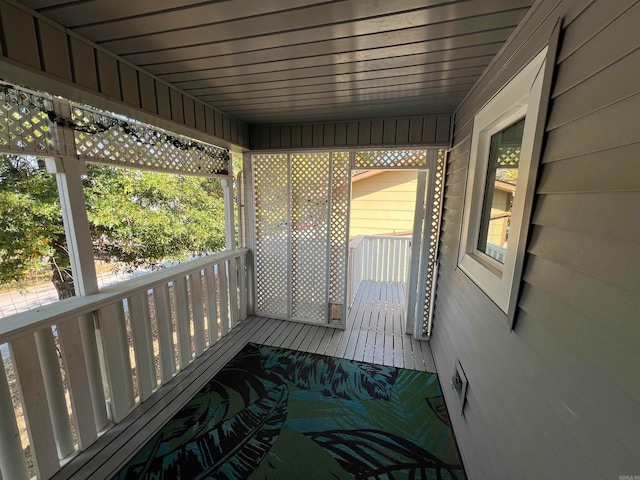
{"type": "Point", "coordinates": [31, 230]}
{"type": "Point", "coordinates": [137, 218]}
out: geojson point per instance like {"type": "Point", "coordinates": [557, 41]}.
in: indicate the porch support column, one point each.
{"type": "Point", "coordinates": [12, 461]}
{"type": "Point", "coordinates": [69, 171]}
{"type": "Point", "coordinates": [229, 224]}
{"type": "Point", "coordinates": [249, 225]}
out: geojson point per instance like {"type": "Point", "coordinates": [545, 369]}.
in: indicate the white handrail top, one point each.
{"type": "Point", "coordinates": [20, 324]}
{"type": "Point", "coordinates": [356, 241]}
{"type": "Point", "coordinates": [386, 237]}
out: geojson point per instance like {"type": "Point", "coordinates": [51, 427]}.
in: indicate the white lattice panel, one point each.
{"type": "Point", "coordinates": [390, 159]}
{"type": "Point", "coordinates": [339, 215]}
{"type": "Point", "coordinates": [508, 157]}
{"type": "Point", "coordinates": [434, 219]}
{"type": "Point", "coordinates": [271, 197]}
{"type": "Point", "coordinates": [134, 144]}
{"type": "Point", "coordinates": [309, 230]}
{"type": "Point", "coordinates": [24, 125]}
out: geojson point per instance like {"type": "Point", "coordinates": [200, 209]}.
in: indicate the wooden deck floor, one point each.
{"type": "Point", "coordinates": [374, 334]}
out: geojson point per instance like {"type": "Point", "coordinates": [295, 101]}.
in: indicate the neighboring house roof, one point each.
{"type": "Point", "coordinates": [505, 186]}
{"type": "Point", "coordinates": [366, 174]}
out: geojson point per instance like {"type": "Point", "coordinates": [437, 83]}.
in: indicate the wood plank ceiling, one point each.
{"type": "Point", "coordinates": [291, 61]}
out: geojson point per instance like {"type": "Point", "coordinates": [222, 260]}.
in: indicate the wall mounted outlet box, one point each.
{"type": "Point", "coordinates": [459, 384]}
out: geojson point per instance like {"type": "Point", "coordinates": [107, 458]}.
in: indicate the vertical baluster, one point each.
{"type": "Point", "coordinates": [376, 260]}
{"type": "Point", "coordinates": [381, 258]}
{"type": "Point", "coordinates": [212, 305]}
{"type": "Point", "coordinates": [361, 255]}
{"type": "Point", "coordinates": [399, 259]}
{"type": "Point", "coordinates": [386, 243]}
{"type": "Point", "coordinates": [402, 248]}
{"type": "Point", "coordinates": [233, 290]}
{"type": "Point", "coordinates": [376, 254]}
{"type": "Point", "coordinates": [181, 298]}
{"type": "Point", "coordinates": [368, 259]}
{"type": "Point", "coordinates": [406, 262]}
{"type": "Point", "coordinates": [359, 267]}
{"type": "Point", "coordinates": [78, 381]}
{"type": "Point", "coordinates": [34, 404]}
{"type": "Point", "coordinates": [198, 312]}
{"type": "Point", "coordinates": [55, 391]}
{"type": "Point", "coordinates": [113, 333]}
{"type": "Point", "coordinates": [393, 247]}
{"type": "Point", "coordinates": [12, 461]}
{"type": "Point", "coordinates": [142, 344]}
{"type": "Point", "coordinates": [243, 287]}
{"type": "Point", "coordinates": [223, 296]}
{"type": "Point", "coordinates": [165, 332]}
{"type": "Point", "coordinates": [92, 360]}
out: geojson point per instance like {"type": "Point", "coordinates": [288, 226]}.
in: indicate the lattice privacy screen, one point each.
{"type": "Point", "coordinates": [271, 201]}
{"type": "Point", "coordinates": [301, 207]}
{"type": "Point", "coordinates": [300, 230]}
{"type": "Point", "coordinates": [24, 126]}
{"type": "Point", "coordinates": [338, 246]}
{"type": "Point", "coordinates": [508, 157]}
{"type": "Point", "coordinates": [38, 124]}
{"type": "Point", "coordinates": [129, 143]}
{"type": "Point", "coordinates": [390, 159]}
{"type": "Point", "coordinates": [434, 228]}
{"type": "Point", "coordinates": [309, 234]}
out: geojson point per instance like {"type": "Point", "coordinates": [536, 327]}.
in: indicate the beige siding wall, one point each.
{"type": "Point", "coordinates": [65, 64]}
{"type": "Point", "coordinates": [498, 226]}
{"type": "Point", "coordinates": [559, 397]}
{"type": "Point", "coordinates": [383, 204]}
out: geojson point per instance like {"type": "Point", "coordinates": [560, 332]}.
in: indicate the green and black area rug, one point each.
{"type": "Point", "coordinates": [273, 413]}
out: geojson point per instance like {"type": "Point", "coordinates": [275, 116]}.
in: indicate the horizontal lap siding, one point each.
{"type": "Point", "coordinates": [42, 46]}
{"type": "Point", "coordinates": [559, 397]}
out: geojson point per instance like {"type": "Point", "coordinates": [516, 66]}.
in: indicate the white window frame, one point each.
{"type": "Point", "coordinates": [521, 97]}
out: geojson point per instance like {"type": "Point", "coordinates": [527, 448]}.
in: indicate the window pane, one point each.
{"type": "Point", "coordinates": [34, 263]}
{"type": "Point", "coordinates": [142, 221]}
{"type": "Point", "coordinates": [500, 190]}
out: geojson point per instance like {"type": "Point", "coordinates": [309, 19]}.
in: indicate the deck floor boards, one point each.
{"type": "Point", "coordinates": [374, 333]}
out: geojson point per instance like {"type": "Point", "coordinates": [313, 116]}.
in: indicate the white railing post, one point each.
{"type": "Point", "coordinates": [140, 320]}
{"type": "Point", "coordinates": [39, 379]}
{"type": "Point", "coordinates": [233, 291]}
{"type": "Point", "coordinates": [69, 173]}
{"type": "Point", "coordinates": [243, 287]}
{"type": "Point", "coordinates": [377, 258]}
{"type": "Point", "coordinates": [198, 312]}
{"type": "Point", "coordinates": [497, 252]}
{"type": "Point", "coordinates": [12, 461]}
{"type": "Point", "coordinates": [350, 274]}
{"type": "Point", "coordinates": [55, 391]}
{"type": "Point", "coordinates": [78, 382]}
{"type": "Point", "coordinates": [229, 223]}
{"type": "Point", "coordinates": [32, 389]}
{"type": "Point", "coordinates": [223, 296]}
{"type": "Point", "coordinates": [162, 306]}
{"type": "Point", "coordinates": [117, 362]}
{"type": "Point", "coordinates": [181, 302]}
{"type": "Point", "coordinates": [212, 304]}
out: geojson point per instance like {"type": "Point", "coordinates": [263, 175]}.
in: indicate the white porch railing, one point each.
{"type": "Point", "coordinates": [377, 258]}
{"type": "Point", "coordinates": [117, 348]}
{"type": "Point", "coordinates": [494, 251]}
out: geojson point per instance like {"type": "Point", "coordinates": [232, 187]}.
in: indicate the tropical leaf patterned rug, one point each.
{"type": "Point", "coordinates": [273, 413]}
